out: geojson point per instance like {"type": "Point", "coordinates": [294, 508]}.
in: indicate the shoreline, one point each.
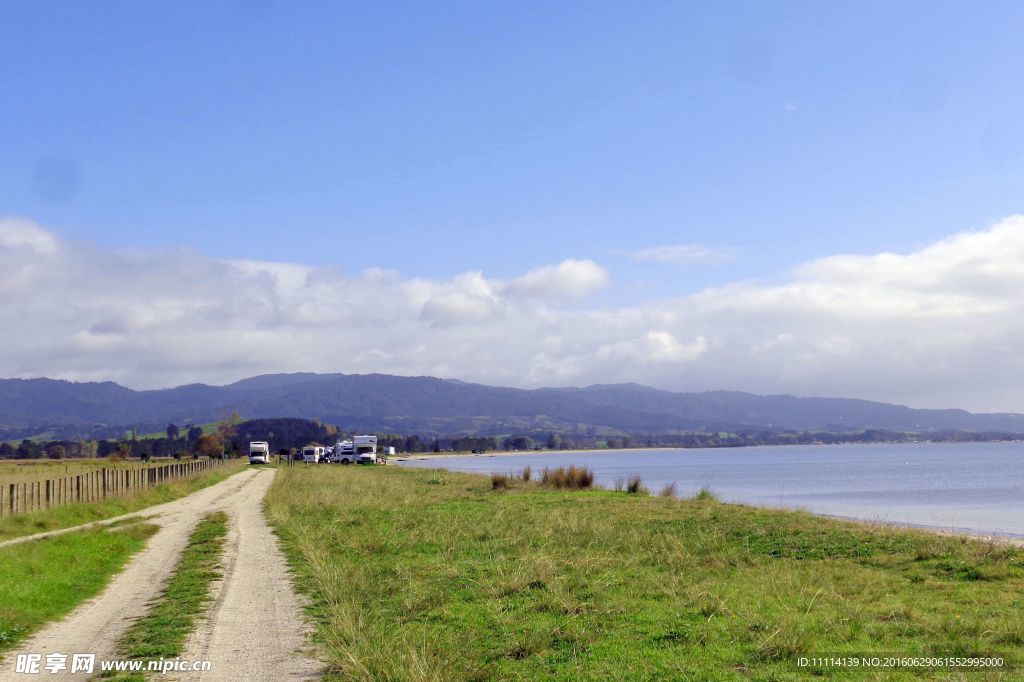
{"type": "Point", "coordinates": [1015, 539]}
{"type": "Point", "coordinates": [545, 451]}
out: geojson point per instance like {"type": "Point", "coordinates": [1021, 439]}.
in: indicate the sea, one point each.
{"type": "Point", "coordinates": [961, 487]}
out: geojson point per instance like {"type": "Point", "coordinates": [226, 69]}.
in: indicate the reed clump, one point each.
{"type": "Point", "coordinates": [500, 481]}
{"type": "Point", "coordinates": [574, 477]}
{"type": "Point", "coordinates": [705, 495]}
{"type": "Point", "coordinates": [635, 485]}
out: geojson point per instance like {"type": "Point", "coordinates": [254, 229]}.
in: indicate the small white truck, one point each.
{"type": "Point", "coordinates": [312, 454]}
{"type": "Point", "coordinates": [343, 453]}
{"type": "Point", "coordinates": [259, 452]}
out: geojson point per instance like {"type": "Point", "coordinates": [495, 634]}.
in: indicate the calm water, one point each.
{"type": "Point", "coordinates": [964, 486]}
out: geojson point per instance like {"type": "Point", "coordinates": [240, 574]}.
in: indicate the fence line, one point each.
{"type": "Point", "coordinates": [100, 484]}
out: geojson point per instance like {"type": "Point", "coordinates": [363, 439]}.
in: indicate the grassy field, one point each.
{"type": "Point", "coordinates": [426, 575]}
{"type": "Point", "coordinates": [69, 515]}
{"type": "Point", "coordinates": [162, 632]}
{"type": "Point", "coordinates": [23, 470]}
{"type": "Point", "coordinates": [44, 580]}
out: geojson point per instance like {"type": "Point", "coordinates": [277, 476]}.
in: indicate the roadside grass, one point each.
{"type": "Point", "coordinates": [44, 580]}
{"type": "Point", "coordinates": [66, 516]}
{"type": "Point", "coordinates": [417, 574]}
{"type": "Point", "coordinates": [162, 632]}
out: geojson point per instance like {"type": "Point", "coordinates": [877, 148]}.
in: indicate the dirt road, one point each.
{"type": "Point", "coordinates": [255, 629]}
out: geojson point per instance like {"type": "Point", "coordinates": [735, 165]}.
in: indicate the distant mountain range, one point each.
{"type": "Point", "coordinates": [430, 406]}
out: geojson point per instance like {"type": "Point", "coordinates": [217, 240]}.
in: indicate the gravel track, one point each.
{"type": "Point", "coordinates": [254, 628]}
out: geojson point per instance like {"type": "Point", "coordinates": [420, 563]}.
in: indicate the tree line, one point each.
{"type": "Point", "coordinates": [232, 436]}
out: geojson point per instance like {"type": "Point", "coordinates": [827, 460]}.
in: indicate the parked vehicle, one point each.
{"type": "Point", "coordinates": [366, 449]}
{"type": "Point", "coordinates": [259, 452]}
{"type": "Point", "coordinates": [312, 454]}
{"type": "Point", "coordinates": [343, 453]}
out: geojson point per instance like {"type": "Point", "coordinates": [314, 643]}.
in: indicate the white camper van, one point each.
{"type": "Point", "coordinates": [259, 452]}
{"type": "Point", "coordinates": [366, 449]}
{"type": "Point", "coordinates": [312, 454]}
{"type": "Point", "coordinates": [343, 453]}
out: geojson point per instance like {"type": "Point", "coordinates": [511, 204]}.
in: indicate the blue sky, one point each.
{"type": "Point", "coordinates": [433, 139]}
{"type": "Point", "coordinates": [438, 137]}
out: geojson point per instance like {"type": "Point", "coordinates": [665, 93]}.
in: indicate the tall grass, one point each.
{"type": "Point", "coordinates": [605, 586]}
{"type": "Point", "coordinates": [527, 473]}
{"type": "Point", "coordinates": [500, 481]}
{"type": "Point", "coordinates": [634, 485]}
{"type": "Point", "coordinates": [567, 477]}
{"type": "Point", "coordinates": [668, 490]}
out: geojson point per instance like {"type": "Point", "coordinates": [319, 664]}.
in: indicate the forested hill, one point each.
{"type": "Point", "coordinates": [427, 405]}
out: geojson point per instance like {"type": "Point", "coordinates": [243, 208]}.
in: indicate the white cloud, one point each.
{"type": "Point", "coordinates": [680, 254]}
{"type": "Point", "coordinates": [19, 233]}
{"type": "Point", "coordinates": [570, 279]}
{"type": "Point", "coordinates": [939, 326]}
{"type": "Point", "coordinates": [657, 347]}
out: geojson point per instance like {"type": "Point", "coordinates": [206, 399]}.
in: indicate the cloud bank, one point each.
{"type": "Point", "coordinates": [940, 326]}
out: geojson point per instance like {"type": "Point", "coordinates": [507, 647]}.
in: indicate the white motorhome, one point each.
{"type": "Point", "coordinates": [366, 449]}
{"type": "Point", "coordinates": [312, 454]}
{"type": "Point", "coordinates": [259, 452]}
{"type": "Point", "coordinates": [344, 453]}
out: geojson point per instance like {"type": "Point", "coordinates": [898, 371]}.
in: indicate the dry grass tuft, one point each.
{"type": "Point", "coordinates": [574, 477]}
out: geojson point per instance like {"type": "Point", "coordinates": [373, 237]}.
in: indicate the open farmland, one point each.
{"type": "Point", "coordinates": [24, 471]}
{"type": "Point", "coordinates": [68, 515]}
